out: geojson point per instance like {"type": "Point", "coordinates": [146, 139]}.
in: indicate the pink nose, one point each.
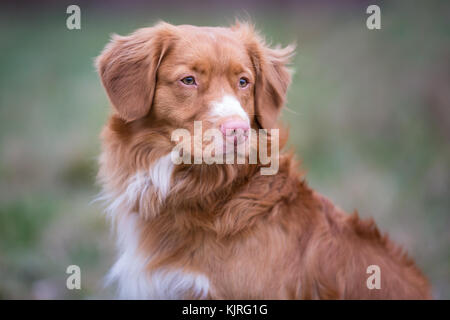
{"type": "Point", "coordinates": [236, 130]}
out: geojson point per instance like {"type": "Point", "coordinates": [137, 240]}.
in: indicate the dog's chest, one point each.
{"type": "Point", "coordinates": [135, 281]}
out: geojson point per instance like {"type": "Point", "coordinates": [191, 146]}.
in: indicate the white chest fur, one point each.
{"type": "Point", "coordinates": [129, 272]}
{"type": "Point", "coordinates": [135, 282]}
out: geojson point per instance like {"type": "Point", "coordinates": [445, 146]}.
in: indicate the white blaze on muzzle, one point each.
{"type": "Point", "coordinates": [228, 107]}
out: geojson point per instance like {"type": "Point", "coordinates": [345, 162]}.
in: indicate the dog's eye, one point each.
{"type": "Point", "coordinates": [189, 81]}
{"type": "Point", "coordinates": [243, 82]}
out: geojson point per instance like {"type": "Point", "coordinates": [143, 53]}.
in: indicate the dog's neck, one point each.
{"type": "Point", "coordinates": [204, 186]}
{"type": "Point", "coordinates": [138, 175]}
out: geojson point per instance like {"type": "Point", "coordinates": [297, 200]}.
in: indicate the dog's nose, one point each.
{"type": "Point", "coordinates": [236, 130]}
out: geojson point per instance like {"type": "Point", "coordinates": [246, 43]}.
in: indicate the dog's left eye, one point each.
{"type": "Point", "coordinates": [243, 82]}
{"type": "Point", "coordinates": [190, 81]}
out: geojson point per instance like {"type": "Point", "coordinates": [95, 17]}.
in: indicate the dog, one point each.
{"type": "Point", "coordinates": [224, 231]}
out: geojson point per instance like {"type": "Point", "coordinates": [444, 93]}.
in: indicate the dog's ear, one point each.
{"type": "Point", "coordinates": [128, 65]}
{"type": "Point", "coordinates": [272, 75]}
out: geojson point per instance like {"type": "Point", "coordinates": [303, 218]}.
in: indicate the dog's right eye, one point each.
{"type": "Point", "coordinates": [189, 81]}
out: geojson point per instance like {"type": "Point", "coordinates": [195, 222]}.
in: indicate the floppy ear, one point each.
{"type": "Point", "coordinates": [272, 75]}
{"type": "Point", "coordinates": [127, 67]}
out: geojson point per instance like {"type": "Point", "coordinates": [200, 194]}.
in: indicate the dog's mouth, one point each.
{"type": "Point", "coordinates": [235, 145]}
{"type": "Point", "coordinates": [224, 149]}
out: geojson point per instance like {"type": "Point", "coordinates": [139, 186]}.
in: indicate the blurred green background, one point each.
{"type": "Point", "coordinates": [369, 113]}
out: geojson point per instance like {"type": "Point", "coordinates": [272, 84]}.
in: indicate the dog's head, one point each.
{"type": "Point", "coordinates": [228, 78]}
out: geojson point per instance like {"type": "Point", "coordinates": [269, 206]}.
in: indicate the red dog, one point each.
{"type": "Point", "coordinates": [223, 231]}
